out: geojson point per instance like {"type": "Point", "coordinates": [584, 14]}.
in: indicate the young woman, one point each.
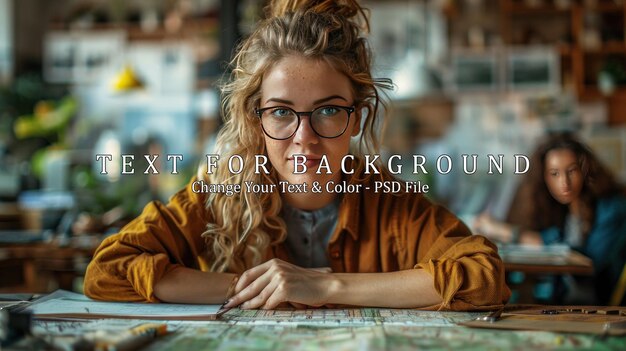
{"type": "Point", "coordinates": [301, 85]}
{"type": "Point", "coordinates": [569, 197]}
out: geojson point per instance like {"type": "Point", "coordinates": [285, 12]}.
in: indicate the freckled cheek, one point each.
{"type": "Point", "coordinates": [336, 151]}
{"type": "Point", "coordinates": [276, 152]}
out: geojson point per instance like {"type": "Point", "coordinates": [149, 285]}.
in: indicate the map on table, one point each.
{"type": "Point", "coordinates": [341, 329]}
{"type": "Point", "coordinates": [349, 317]}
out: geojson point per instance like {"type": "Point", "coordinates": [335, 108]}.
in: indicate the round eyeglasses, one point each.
{"type": "Point", "coordinates": [282, 122]}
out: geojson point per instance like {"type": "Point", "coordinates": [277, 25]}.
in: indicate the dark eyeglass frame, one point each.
{"type": "Point", "coordinates": [349, 109]}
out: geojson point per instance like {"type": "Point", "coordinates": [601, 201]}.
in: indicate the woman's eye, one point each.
{"type": "Point", "coordinates": [280, 112]}
{"type": "Point", "coordinates": [554, 174]}
{"type": "Point", "coordinates": [328, 111]}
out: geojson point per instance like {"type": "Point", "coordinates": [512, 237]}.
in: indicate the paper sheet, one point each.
{"type": "Point", "coordinates": [65, 304]}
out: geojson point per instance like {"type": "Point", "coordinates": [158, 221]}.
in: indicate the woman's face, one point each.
{"type": "Point", "coordinates": [563, 175]}
{"type": "Point", "coordinates": [304, 84]}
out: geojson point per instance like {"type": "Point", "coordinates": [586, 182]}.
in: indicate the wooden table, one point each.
{"type": "Point", "coordinates": [574, 263]}
{"type": "Point", "coordinates": [42, 267]}
{"type": "Point", "coordinates": [534, 265]}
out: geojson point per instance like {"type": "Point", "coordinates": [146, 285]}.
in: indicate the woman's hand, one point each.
{"type": "Point", "coordinates": [276, 281]}
{"type": "Point", "coordinates": [485, 225]}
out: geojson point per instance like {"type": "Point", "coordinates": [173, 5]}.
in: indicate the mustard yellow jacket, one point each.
{"type": "Point", "coordinates": [375, 232]}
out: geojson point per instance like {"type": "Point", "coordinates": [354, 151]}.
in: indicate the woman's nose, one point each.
{"type": "Point", "coordinates": [565, 182]}
{"type": "Point", "coordinates": [305, 133]}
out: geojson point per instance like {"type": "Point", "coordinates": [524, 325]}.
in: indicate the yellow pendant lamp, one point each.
{"type": "Point", "coordinates": [127, 80]}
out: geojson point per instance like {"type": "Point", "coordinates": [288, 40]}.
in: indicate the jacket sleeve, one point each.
{"type": "Point", "coordinates": [609, 226]}
{"type": "Point", "coordinates": [127, 265]}
{"type": "Point", "coordinates": [467, 270]}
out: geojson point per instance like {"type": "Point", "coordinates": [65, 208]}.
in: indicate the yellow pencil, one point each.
{"type": "Point", "coordinates": [133, 339]}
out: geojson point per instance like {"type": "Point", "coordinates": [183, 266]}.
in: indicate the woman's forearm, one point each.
{"type": "Point", "coordinates": [528, 237]}
{"type": "Point", "coordinates": [403, 289]}
{"type": "Point", "coordinates": [186, 285]}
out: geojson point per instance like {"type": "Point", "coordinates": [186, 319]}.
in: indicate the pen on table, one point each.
{"type": "Point", "coordinates": [229, 294]}
{"type": "Point", "coordinates": [133, 339]}
{"type": "Point", "coordinates": [223, 309]}
{"type": "Point", "coordinates": [14, 306]}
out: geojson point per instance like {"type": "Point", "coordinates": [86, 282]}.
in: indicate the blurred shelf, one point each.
{"type": "Point", "coordinates": [521, 9]}
{"type": "Point", "coordinates": [190, 27]}
{"type": "Point", "coordinates": [605, 8]}
{"type": "Point", "coordinates": [592, 93]}
{"type": "Point", "coordinates": [607, 49]}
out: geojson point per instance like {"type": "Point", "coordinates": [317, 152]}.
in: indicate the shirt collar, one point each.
{"type": "Point", "coordinates": [349, 204]}
{"type": "Point", "coordinates": [292, 212]}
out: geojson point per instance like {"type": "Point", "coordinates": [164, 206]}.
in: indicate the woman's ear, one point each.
{"type": "Point", "coordinates": [356, 128]}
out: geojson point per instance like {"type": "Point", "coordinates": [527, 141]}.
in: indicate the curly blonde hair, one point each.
{"type": "Point", "coordinates": [246, 224]}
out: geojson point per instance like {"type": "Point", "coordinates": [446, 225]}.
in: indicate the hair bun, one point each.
{"type": "Point", "coordinates": [344, 8]}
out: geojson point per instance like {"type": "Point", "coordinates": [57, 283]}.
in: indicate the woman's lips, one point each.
{"type": "Point", "coordinates": [311, 161]}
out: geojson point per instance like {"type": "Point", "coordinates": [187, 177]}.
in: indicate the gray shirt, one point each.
{"type": "Point", "coordinates": [308, 234]}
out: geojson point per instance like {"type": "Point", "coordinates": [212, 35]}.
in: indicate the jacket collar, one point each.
{"type": "Point", "coordinates": [350, 214]}
{"type": "Point", "coordinates": [348, 217]}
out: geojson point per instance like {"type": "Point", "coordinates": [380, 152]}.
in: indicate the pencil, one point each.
{"type": "Point", "coordinates": [134, 339]}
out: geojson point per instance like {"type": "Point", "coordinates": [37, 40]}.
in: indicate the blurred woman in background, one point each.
{"type": "Point", "coordinates": [569, 197]}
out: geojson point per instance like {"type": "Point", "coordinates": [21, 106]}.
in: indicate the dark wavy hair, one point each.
{"type": "Point", "coordinates": [534, 208]}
